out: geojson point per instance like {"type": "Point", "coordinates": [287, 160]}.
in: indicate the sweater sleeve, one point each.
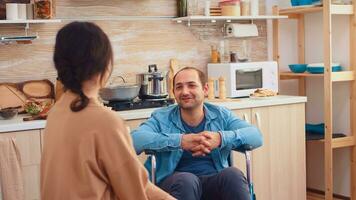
{"type": "Point", "coordinates": [125, 173]}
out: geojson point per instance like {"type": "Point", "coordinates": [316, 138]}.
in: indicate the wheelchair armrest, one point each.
{"type": "Point", "coordinates": [247, 147]}
{"type": "Point", "coordinates": [244, 148]}
{"type": "Point", "coordinates": [149, 152]}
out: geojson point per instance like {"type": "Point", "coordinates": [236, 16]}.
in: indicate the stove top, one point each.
{"type": "Point", "coordinates": [139, 104]}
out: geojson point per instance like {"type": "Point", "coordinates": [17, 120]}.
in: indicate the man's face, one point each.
{"type": "Point", "coordinates": [188, 90]}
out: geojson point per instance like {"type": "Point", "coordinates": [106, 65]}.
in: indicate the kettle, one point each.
{"type": "Point", "coordinates": [153, 84]}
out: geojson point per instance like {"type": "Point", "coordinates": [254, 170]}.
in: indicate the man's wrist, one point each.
{"type": "Point", "coordinates": [220, 139]}
{"type": "Point", "coordinates": [181, 141]}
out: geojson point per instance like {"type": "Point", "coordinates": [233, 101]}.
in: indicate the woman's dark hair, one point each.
{"type": "Point", "coordinates": [82, 50]}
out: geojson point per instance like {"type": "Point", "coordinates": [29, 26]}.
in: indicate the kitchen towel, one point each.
{"type": "Point", "coordinates": [10, 170]}
{"type": "Point", "coordinates": [241, 30]}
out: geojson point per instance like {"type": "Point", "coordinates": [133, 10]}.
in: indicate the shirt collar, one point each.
{"type": "Point", "coordinates": [176, 119]}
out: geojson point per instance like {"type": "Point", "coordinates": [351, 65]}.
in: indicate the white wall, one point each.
{"type": "Point", "coordinates": [314, 108]}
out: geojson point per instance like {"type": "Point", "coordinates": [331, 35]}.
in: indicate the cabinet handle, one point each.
{"type": "Point", "coordinates": [258, 120]}
{"type": "Point", "coordinates": [245, 117]}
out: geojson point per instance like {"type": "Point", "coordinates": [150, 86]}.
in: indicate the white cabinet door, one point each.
{"type": "Point", "coordinates": [29, 144]}
{"type": "Point", "coordinates": [279, 168]}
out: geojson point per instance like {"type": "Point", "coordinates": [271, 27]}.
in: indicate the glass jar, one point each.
{"type": "Point", "coordinates": [230, 8]}
{"type": "Point", "coordinates": [193, 7]}
{"type": "Point", "coordinates": [43, 9]}
{"type": "Point", "coordinates": [182, 8]}
{"type": "Point", "coordinates": [245, 8]}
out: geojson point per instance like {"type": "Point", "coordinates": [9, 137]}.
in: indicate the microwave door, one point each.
{"type": "Point", "coordinates": [248, 78]}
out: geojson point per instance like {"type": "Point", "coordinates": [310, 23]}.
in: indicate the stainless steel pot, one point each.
{"type": "Point", "coordinates": [153, 84]}
{"type": "Point", "coordinates": [120, 92]}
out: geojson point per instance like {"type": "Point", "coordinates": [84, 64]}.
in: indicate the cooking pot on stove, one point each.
{"type": "Point", "coordinates": [120, 92]}
{"type": "Point", "coordinates": [153, 84]}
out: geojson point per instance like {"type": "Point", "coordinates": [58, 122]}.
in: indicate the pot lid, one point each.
{"type": "Point", "coordinates": [122, 85]}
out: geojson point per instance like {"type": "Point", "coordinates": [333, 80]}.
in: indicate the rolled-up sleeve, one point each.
{"type": "Point", "coordinates": [149, 136]}
{"type": "Point", "coordinates": [238, 133]}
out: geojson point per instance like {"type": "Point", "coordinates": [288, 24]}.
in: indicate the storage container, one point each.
{"type": "Point", "coordinates": [43, 9]}
{"type": "Point", "coordinates": [230, 8]}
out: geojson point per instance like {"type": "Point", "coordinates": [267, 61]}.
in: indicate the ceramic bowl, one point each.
{"type": "Point", "coordinates": [298, 68]}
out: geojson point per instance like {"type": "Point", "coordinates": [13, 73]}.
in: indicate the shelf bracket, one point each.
{"type": "Point", "coordinates": [27, 27]}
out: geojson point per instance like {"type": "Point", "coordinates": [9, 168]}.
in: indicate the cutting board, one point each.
{"type": "Point", "coordinates": [172, 70]}
{"type": "Point", "coordinates": [16, 94]}
{"type": "Point", "coordinates": [37, 89]}
{"type": "Point", "coordinates": [10, 96]}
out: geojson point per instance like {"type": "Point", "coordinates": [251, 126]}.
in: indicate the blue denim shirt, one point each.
{"type": "Point", "coordinates": [162, 133]}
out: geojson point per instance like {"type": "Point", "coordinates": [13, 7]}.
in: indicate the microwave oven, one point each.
{"type": "Point", "coordinates": [242, 79]}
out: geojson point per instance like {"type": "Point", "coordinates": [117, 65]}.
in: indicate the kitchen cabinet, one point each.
{"type": "Point", "coordinates": [28, 143]}
{"type": "Point", "coordinates": [279, 168]}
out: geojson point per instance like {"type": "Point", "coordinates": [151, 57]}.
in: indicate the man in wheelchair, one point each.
{"type": "Point", "coordinates": [192, 142]}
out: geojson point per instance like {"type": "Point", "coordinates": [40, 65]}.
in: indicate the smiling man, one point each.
{"type": "Point", "coordinates": [193, 140]}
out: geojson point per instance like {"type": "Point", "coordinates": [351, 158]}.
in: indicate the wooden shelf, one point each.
{"type": "Point", "coordinates": [336, 76]}
{"type": "Point", "coordinates": [26, 37]}
{"type": "Point", "coordinates": [326, 12]}
{"type": "Point", "coordinates": [226, 18]}
{"type": "Point", "coordinates": [341, 142]}
{"type": "Point", "coordinates": [343, 76]}
{"type": "Point", "coordinates": [348, 141]}
{"type": "Point", "coordinates": [30, 21]}
{"type": "Point", "coordinates": [300, 10]}
{"type": "Point", "coordinates": [342, 9]}
{"type": "Point", "coordinates": [335, 9]}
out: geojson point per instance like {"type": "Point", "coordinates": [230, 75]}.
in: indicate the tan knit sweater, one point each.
{"type": "Point", "coordinates": [89, 155]}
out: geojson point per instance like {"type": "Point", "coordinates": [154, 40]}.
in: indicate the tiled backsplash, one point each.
{"type": "Point", "coordinates": [136, 43]}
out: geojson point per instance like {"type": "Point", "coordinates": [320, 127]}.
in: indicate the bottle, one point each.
{"type": "Point", "coordinates": [211, 94]}
{"type": "Point", "coordinates": [224, 51]}
{"type": "Point", "coordinates": [192, 7]}
{"type": "Point", "coordinates": [182, 8]}
{"type": "Point", "coordinates": [214, 54]}
{"type": "Point", "coordinates": [222, 88]}
{"type": "Point", "coordinates": [207, 8]}
{"type": "Point", "coordinates": [233, 57]}
{"type": "Point", "coordinates": [245, 8]}
{"type": "Point", "coordinates": [254, 8]}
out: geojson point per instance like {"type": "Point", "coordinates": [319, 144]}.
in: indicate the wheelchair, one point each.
{"type": "Point", "coordinates": [246, 149]}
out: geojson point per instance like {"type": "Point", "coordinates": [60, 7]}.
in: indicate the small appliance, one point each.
{"type": "Point", "coordinates": [242, 79]}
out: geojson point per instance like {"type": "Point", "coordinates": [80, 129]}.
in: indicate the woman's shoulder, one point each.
{"type": "Point", "coordinates": [107, 117]}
